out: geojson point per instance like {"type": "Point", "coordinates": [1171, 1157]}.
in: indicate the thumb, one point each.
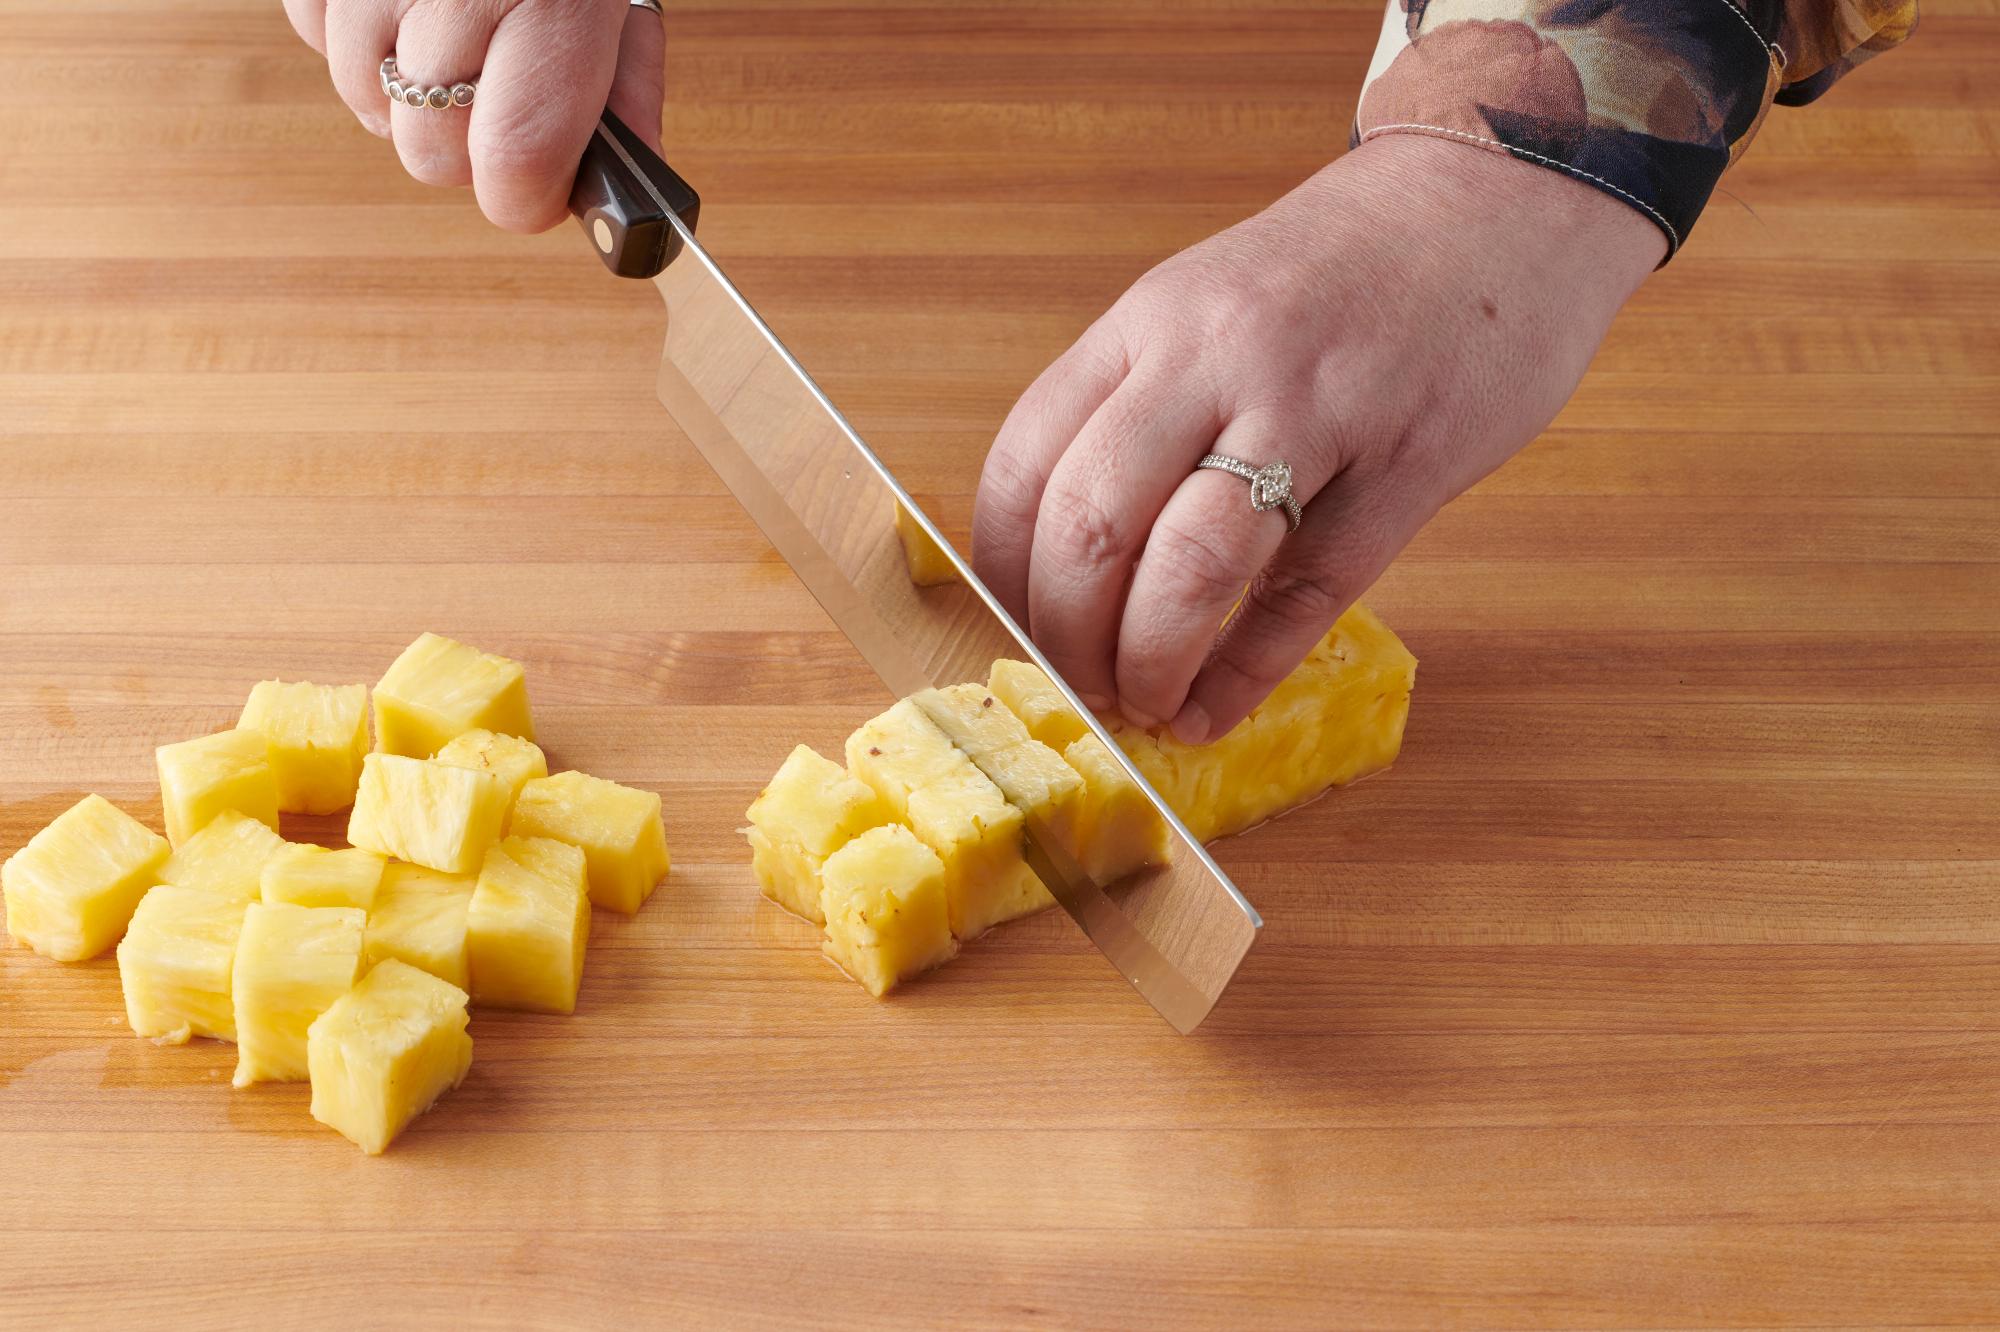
{"type": "Point", "coordinates": [638, 89]}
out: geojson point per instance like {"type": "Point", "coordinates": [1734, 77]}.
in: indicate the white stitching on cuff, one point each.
{"type": "Point", "coordinates": [1771, 49]}
{"type": "Point", "coordinates": [1674, 237]}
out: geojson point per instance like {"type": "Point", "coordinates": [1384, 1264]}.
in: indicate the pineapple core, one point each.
{"type": "Point", "coordinates": [72, 889]}
{"type": "Point", "coordinates": [440, 689]}
{"type": "Point", "coordinates": [226, 858]}
{"type": "Point", "coordinates": [316, 877]}
{"type": "Point", "coordinates": [810, 809]}
{"type": "Point", "coordinates": [316, 735]}
{"type": "Point", "coordinates": [928, 564]}
{"type": "Point", "coordinates": [956, 811]}
{"type": "Point", "coordinates": [419, 918]}
{"type": "Point", "coordinates": [201, 778]}
{"type": "Point", "coordinates": [292, 962]}
{"type": "Point", "coordinates": [385, 1051]}
{"type": "Point", "coordinates": [175, 961]}
{"type": "Point", "coordinates": [886, 914]}
{"type": "Point", "coordinates": [527, 925]}
{"type": "Point", "coordinates": [510, 758]}
{"type": "Point", "coordinates": [617, 828]}
{"type": "Point", "coordinates": [437, 815]}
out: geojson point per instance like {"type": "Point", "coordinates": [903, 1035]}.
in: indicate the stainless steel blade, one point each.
{"type": "Point", "coordinates": [828, 505]}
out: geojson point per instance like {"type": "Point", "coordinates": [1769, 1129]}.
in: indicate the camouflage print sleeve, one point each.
{"type": "Point", "coordinates": [1649, 100]}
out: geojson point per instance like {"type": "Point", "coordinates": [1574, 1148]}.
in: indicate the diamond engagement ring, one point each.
{"type": "Point", "coordinates": [438, 98]}
{"type": "Point", "coordinates": [1270, 485]}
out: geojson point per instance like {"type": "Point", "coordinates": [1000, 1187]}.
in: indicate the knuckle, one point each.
{"type": "Point", "coordinates": [1086, 532]}
{"type": "Point", "coordinates": [1202, 567]}
{"type": "Point", "coordinates": [1300, 596]}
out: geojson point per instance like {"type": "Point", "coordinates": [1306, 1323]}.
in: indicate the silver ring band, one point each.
{"type": "Point", "coordinates": [435, 98]}
{"type": "Point", "coordinates": [1270, 485]}
{"type": "Point", "coordinates": [653, 5]}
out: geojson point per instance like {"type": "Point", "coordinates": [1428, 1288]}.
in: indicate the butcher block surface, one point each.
{"type": "Point", "coordinates": [1658, 984]}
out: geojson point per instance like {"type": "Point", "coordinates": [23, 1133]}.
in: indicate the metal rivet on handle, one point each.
{"type": "Point", "coordinates": [600, 231]}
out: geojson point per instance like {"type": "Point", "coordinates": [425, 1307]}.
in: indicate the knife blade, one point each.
{"type": "Point", "coordinates": [828, 505]}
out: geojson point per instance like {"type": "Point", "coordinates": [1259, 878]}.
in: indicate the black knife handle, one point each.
{"type": "Point", "coordinates": [622, 196]}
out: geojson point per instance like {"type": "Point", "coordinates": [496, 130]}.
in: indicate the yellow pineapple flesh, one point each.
{"type": "Point", "coordinates": [314, 876]}
{"type": "Point", "coordinates": [1034, 778]}
{"type": "Point", "coordinates": [385, 1051]}
{"type": "Point", "coordinates": [1117, 829]}
{"type": "Point", "coordinates": [419, 917]}
{"type": "Point", "coordinates": [437, 815]}
{"type": "Point", "coordinates": [174, 964]}
{"type": "Point", "coordinates": [510, 758]}
{"type": "Point", "coordinates": [883, 899]}
{"type": "Point", "coordinates": [201, 778]}
{"type": "Point", "coordinates": [226, 858]}
{"type": "Point", "coordinates": [810, 808]}
{"type": "Point", "coordinates": [1337, 718]}
{"type": "Point", "coordinates": [928, 564]}
{"type": "Point", "coordinates": [1030, 695]}
{"type": "Point", "coordinates": [617, 828]}
{"type": "Point", "coordinates": [439, 689]}
{"type": "Point", "coordinates": [316, 736]}
{"type": "Point", "coordinates": [955, 810]}
{"type": "Point", "coordinates": [527, 925]}
{"type": "Point", "coordinates": [72, 889]}
{"type": "Point", "coordinates": [292, 962]}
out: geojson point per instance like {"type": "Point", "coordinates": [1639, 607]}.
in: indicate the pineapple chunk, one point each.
{"type": "Point", "coordinates": [201, 778]}
{"type": "Point", "coordinates": [955, 810]}
{"type": "Point", "coordinates": [1338, 717]}
{"type": "Point", "coordinates": [1117, 829]}
{"type": "Point", "coordinates": [292, 962]}
{"type": "Point", "coordinates": [316, 735]}
{"type": "Point", "coordinates": [811, 808]}
{"type": "Point", "coordinates": [226, 858]}
{"type": "Point", "coordinates": [1030, 695]}
{"type": "Point", "coordinates": [385, 1051]}
{"type": "Point", "coordinates": [510, 758]}
{"type": "Point", "coordinates": [928, 564]}
{"type": "Point", "coordinates": [72, 889]}
{"type": "Point", "coordinates": [886, 914]}
{"type": "Point", "coordinates": [419, 918]}
{"type": "Point", "coordinates": [1033, 777]}
{"type": "Point", "coordinates": [616, 827]}
{"type": "Point", "coordinates": [527, 925]}
{"type": "Point", "coordinates": [174, 963]}
{"type": "Point", "coordinates": [437, 815]}
{"type": "Point", "coordinates": [313, 876]}
{"type": "Point", "coordinates": [440, 689]}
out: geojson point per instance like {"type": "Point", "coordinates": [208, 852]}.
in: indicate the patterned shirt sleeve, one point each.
{"type": "Point", "coordinates": [1648, 100]}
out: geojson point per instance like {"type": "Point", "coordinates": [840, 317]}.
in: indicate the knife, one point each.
{"type": "Point", "coordinates": [827, 503]}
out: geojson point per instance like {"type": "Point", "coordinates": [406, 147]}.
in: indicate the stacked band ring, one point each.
{"type": "Point", "coordinates": [438, 98]}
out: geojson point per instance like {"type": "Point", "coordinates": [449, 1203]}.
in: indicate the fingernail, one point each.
{"type": "Point", "coordinates": [1095, 702]}
{"type": "Point", "coordinates": [1191, 726]}
{"type": "Point", "coordinates": [1143, 720]}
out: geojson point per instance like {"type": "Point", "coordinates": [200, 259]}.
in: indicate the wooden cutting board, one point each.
{"type": "Point", "coordinates": [1658, 985]}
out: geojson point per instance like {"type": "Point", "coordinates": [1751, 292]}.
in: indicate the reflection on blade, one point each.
{"type": "Point", "coordinates": [829, 507]}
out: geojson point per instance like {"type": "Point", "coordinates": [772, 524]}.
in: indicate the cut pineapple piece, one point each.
{"type": "Point", "coordinates": [955, 810]}
{"type": "Point", "coordinates": [226, 858]}
{"type": "Point", "coordinates": [1338, 717]}
{"type": "Point", "coordinates": [1031, 696]}
{"type": "Point", "coordinates": [1117, 829]}
{"type": "Point", "coordinates": [885, 908]}
{"type": "Point", "coordinates": [419, 918]}
{"type": "Point", "coordinates": [385, 1051]}
{"type": "Point", "coordinates": [928, 564]}
{"type": "Point", "coordinates": [292, 962]}
{"type": "Point", "coordinates": [440, 689]}
{"type": "Point", "coordinates": [316, 735]}
{"type": "Point", "coordinates": [201, 778]}
{"type": "Point", "coordinates": [527, 925]}
{"type": "Point", "coordinates": [437, 815]}
{"type": "Point", "coordinates": [811, 808]}
{"type": "Point", "coordinates": [616, 827]}
{"type": "Point", "coordinates": [316, 877]}
{"type": "Point", "coordinates": [510, 758]}
{"type": "Point", "coordinates": [72, 889]}
{"type": "Point", "coordinates": [174, 964]}
{"type": "Point", "coordinates": [1033, 777]}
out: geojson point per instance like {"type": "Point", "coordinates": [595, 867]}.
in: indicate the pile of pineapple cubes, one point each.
{"type": "Point", "coordinates": [913, 848]}
{"type": "Point", "coordinates": [470, 877]}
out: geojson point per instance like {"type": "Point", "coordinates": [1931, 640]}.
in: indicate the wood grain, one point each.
{"type": "Point", "coordinates": [1657, 986]}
